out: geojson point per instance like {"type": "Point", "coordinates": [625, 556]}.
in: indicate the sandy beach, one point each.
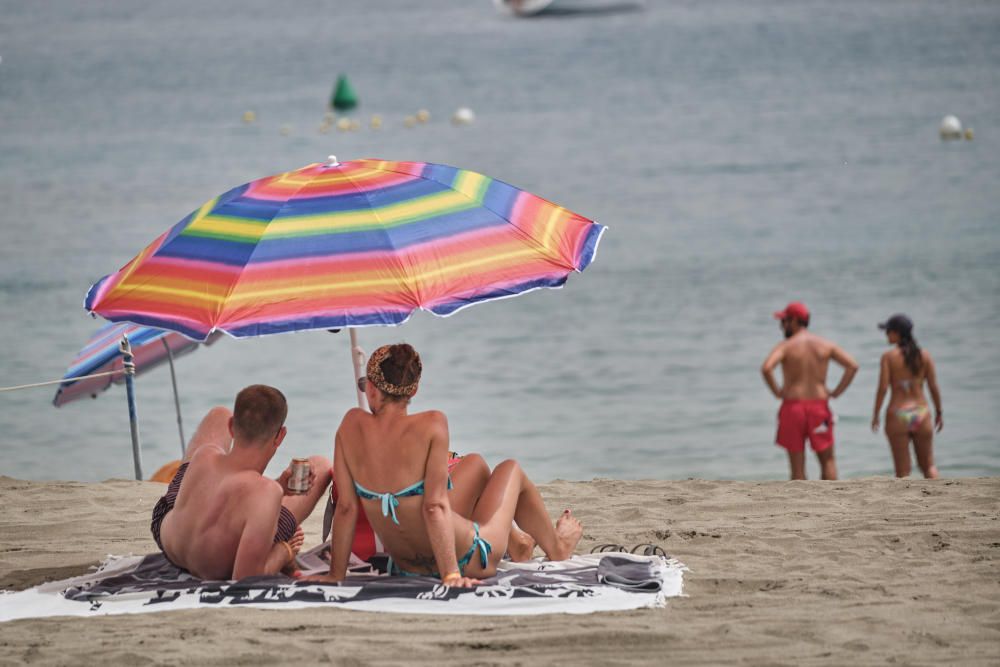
{"type": "Point", "coordinates": [872, 571]}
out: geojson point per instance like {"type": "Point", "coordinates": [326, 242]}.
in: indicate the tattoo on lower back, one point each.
{"type": "Point", "coordinates": [420, 562]}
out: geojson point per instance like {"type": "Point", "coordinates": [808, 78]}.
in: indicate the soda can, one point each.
{"type": "Point", "coordinates": [299, 479]}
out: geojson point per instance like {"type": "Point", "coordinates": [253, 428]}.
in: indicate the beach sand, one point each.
{"type": "Point", "coordinates": [873, 571]}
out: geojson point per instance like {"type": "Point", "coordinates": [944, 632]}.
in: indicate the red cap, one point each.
{"type": "Point", "coordinates": [795, 309]}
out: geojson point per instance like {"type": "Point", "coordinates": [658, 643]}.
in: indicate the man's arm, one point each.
{"type": "Point", "coordinates": [436, 508]}
{"type": "Point", "coordinates": [767, 369]}
{"type": "Point", "coordinates": [850, 369]}
{"type": "Point", "coordinates": [257, 553]}
{"type": "Point", "coordinates": [880, 389]}
{"type": "Point", "coordinates": [935, 392]}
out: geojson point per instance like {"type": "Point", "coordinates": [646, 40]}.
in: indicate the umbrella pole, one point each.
{"type": "Point", "coordinates": [177, 400]}
{"type": "Point", "coordinates": [133, 416]}
{"type": "Point", "coordinates": [358, 358]}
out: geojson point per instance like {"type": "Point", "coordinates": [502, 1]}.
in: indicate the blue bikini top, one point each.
{"type": "Point", "coordinates": [390, 501]}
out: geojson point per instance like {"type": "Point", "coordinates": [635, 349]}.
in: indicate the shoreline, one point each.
{"type": "Point", "coordinates": [869, 571]}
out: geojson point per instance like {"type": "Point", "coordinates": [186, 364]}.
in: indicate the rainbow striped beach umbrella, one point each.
{"type": "Point", "coordinates": [349, 244]}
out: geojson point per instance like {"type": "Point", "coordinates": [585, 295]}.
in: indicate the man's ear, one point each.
{"type": "Point", "coordinates": [282, 432]}
{"type": "Point", "coordinates": [232, 434]}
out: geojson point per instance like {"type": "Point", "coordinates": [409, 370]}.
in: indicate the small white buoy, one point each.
{"type": "Point", "coordinates": [376, 122]}
{"type": "Point", "coordinates": [249, 117]}
{"type": "Point", "coordinates": [951, 128]}
{"type": "Point", "coordinates": [423, 116]}
{"type": "Point", "coordinates": [463, 116]}
{"type": "Point", "coordinates": [343, 124]}
{"type": "Point", "coordinates": [410, 121]}
{"type": "Point", "coordinates": [331, 161]}
{"type": "Point", "coordinates": [286, 130]}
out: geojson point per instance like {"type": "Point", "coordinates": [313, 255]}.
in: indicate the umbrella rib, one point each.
{"type": "Point", "coordinates": [239, 277]}
{"type": "Point", "coordinates": [527, 238]}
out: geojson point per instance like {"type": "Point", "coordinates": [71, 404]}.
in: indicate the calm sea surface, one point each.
{"type": "Point", "coordinates": [742, 154]}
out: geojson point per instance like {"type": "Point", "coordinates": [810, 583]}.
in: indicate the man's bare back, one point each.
{"type": "Point", "coordinates": [805, 414]}
{"type": "Point", "coordinates": [221, 518]}
{"type": "Point", "coordinates": [805, 359]}
{"type": "Point", "coordinates": [219, 507]}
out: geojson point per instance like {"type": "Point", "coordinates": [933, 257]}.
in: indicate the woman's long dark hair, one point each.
{"type": "Point", "coordinates": [911, 352]}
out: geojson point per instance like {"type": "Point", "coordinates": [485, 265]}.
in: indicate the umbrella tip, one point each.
{"type": "Point", "coordinates": [331, 161]}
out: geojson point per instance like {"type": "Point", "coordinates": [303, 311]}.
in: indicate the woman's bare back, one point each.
{"type": "Point", "coordinates": [906, 386]}
{"type": "Point", "coordinates": [387, 456]}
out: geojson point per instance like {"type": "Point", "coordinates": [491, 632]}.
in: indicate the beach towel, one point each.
{"type": "Point", "coordinates": [143, 584]}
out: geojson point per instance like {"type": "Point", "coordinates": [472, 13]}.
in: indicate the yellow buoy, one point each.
{"type": "Point", "coordinates": [376, 122]}
{"type": "Point", "coordinates": [343, 124]}
{"type": "Point", "coordinates": [410, 121]}
{"type": "Point", "coordinates": [285, 130]}
{"type": "Point", "coordinates": [423, 116]}
{"type": "Point", "coordinates": [968, 134]}
{"type": "Point", "coordinates": [249, 117]}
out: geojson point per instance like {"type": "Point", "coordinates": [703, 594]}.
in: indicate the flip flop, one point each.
{"type": "Point", "coordinates": [608, 548]}
{"type": "Point", "coordinates": [648, 550]}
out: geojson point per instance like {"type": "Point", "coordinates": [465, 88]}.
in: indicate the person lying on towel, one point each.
{"type": "Point", "coordinates": [397, 465]}
{"type": "Point", "coordinates": [221, 518]}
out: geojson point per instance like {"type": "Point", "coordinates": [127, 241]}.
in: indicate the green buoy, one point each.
{"type": "Point", "coordinates": [343, 95]}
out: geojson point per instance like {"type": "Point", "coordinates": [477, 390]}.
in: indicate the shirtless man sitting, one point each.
{"type": "Point", "coordinates": [221, 518]}
{"type": "Point", "coordinates": [805, 410]}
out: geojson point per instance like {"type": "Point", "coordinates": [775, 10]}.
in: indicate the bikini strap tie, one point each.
{"type": "Point", "coordinates": [482, 545]}
{"type": "Point", "coordinates": [389, 505]}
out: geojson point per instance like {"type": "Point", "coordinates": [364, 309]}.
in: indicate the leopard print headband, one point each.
{"type": "Point", "coordinates": [374, 373]}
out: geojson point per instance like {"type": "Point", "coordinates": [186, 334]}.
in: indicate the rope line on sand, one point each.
{"type": "Point", "coordinates": [73, 379]}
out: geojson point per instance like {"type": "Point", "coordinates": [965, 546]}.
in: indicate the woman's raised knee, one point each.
{"type": "Point", "coordinates": [510, 466]}
{"type": "Point", "coordinates": [476, 464]}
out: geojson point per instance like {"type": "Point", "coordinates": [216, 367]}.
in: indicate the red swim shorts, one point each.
{"type": "Point", "coordinates": [801, 419]}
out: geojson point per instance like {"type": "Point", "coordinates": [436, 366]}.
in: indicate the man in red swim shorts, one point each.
{"type": "Point", "coordinates": [805, 411]}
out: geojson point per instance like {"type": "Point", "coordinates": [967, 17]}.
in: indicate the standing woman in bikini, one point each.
{"type": "Point", "coordinates": [905, 368]}
{"type": "Point", "coordinates": [395, 466]}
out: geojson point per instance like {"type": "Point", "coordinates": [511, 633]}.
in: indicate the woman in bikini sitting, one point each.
{"type": "Point", "coordinates": [395, 466]}
{"type": "Point", "coordinates": [905, 368]}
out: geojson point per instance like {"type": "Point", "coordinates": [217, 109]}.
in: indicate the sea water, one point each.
{"type": "Point", "coordinates": [742, 154]}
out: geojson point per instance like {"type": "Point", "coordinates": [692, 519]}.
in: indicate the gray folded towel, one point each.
{"type": "Point", "coordinates": [623, 572]}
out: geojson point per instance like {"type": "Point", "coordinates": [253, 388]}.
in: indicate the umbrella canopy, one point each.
{"type": "Point", "coordinates": [349, 244]}
{"type": "Point", "coordinates": [102, 353]}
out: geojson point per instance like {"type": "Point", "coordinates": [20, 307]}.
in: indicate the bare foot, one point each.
{"type": "Point", "coordinates": [295, 544]}
{"type": "Point", "coordinates": [568, 533]}
{"type": "Point", "coordinates": [520, 546]}
{"type": "Point", "coordinates": [298, 539]}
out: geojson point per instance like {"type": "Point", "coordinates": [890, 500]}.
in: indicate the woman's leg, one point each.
{"type": "Point", "coordinates": [511, 496]}
{"type": "Point", "coordinates": [899, 442]}
{"type": "Point", "coordinates": [923, 443]}
{"type": "Point", "coordinates": [469, 478]}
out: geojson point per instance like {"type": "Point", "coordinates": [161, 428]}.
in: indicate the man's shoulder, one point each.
{"type": "Point", "coordinates": [253, 485]}
{"type": "Point", "coordinates": [818, 342]}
